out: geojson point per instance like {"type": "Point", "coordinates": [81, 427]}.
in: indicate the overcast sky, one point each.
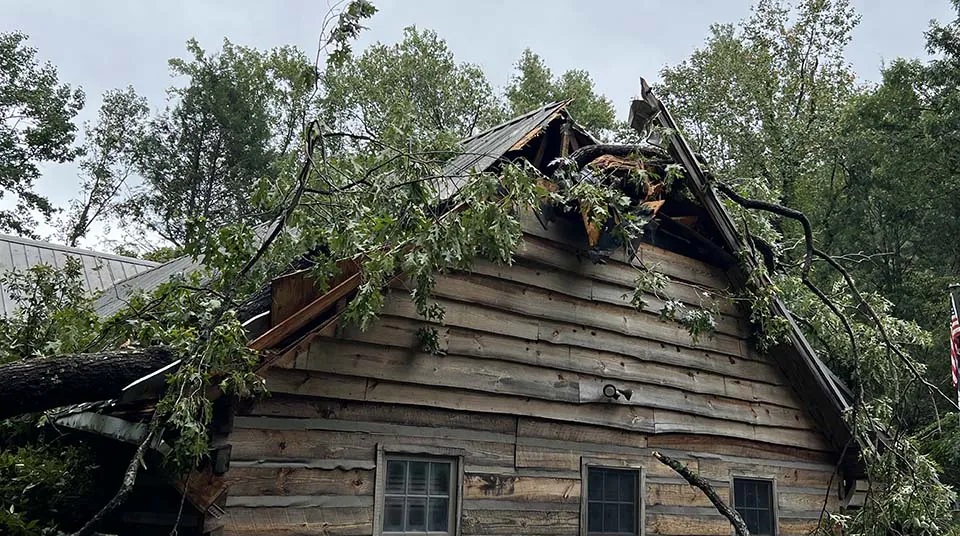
{"type": "Point", "coordinates": [101, 45]}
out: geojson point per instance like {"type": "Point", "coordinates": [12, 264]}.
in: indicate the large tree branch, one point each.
{"type": "Point", "coordinates": [72, 379]}
{"type": "Point", "coordinates": [780, 211]}
{"type": "Point", "coordinates": [863, 304]}
{"type": "Point", "coordinates": [697, 481]}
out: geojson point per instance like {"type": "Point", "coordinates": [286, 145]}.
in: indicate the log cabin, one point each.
{"type": "Point", "coordinates": [540, 412]}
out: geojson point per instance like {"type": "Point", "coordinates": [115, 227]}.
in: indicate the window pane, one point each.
{"type": "Point", "coordinates": [754, 500]}
{"type": "Point", "coordinates": [440, 479]}
{"type": "Point", "coordinates": [416, 513]}
{"type": "Point", "coordinates": [439, 509]}
{"type": "Point", "coordinates": [417, 478]}
{"type": "Point", "coordinates": [395, 476]}
{"type": "Point", "coordinates": [393, 514]}
{"type": "Point", "coordinates": [611, 485]}
{"type": "Point", "coordinates": [594, 517]}
{"type": "Point", "coordinates": [763, 523]}
{"type": "Point", "coordinates": [611, 517]}
{"type": "Point", "coordinates": [763, 494]}
{"type": "Point", "coordinates": [749, 517]}
{"type": "Point", "coordinates": [594, 484]}
{"type": "Point", "coordinates": [627, 516]}
{"type": "Point", "coordinates": [750, 494]}
{"type": "Point", "coordinates": [627, 487]}
{"type": "Point", "coordinates": [612, 501]}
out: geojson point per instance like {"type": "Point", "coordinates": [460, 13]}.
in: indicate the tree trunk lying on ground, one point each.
{"type": "Point", "coordinates": [40, 384]}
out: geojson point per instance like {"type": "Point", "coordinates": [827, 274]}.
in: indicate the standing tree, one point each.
{"type": "Point", "coordinates": [36, 113]}
{"type": "Point", "coordinates": [412, 90]}
{"type": "Point", "coordinates": [762, 100]}
{"type": "Point", "coordinates": [534, 85]}
{"type": "Point", "coordinates": [112, 147]}
{"type": "Point", "coordinates": [230, 126]}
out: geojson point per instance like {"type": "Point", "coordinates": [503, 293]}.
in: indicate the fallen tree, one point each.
{"type": "Point", "coordinates": [72, 379]}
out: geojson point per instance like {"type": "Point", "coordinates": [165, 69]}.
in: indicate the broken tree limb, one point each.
{"type": "Point", "coordinates": [129, 479]}
{"type": "Point", "coordinates": [40, 384]}
{"type": "Point", "coordinates": [779, 210]}
{"type": "Point", "coordinates": [697, 481]}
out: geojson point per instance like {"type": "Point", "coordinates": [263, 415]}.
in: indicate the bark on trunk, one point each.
{"type": "Point", "coordinates": [40, 384]}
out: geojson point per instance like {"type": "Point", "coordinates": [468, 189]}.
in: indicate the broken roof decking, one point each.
{"type": "Point", "coordinates": [481, 151]}
{"type": "Point", "coordinates": [100, 270]}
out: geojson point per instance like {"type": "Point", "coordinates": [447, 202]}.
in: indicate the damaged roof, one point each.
{"type": "Point", "coordinates": [479, 152]}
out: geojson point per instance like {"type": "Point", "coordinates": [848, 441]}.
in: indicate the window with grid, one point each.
{"type": "Point", "coordinates": [612, 501]}
{"type": "Point", "coordinates": [419, 496]}
{"type": "Point", "coordinates": [753, 499]}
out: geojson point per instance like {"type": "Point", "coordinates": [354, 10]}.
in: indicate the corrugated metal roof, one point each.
{"type": "Point", "coordinates": [479, 152]}
{"type": "Point", "coordinates": [100, 270]}
{"type": "Point", "coordinates": [116, 297]}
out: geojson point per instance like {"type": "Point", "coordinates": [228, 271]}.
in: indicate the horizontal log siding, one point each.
{"type": "Point", "coordinates": [543, 337]}
{"type": "Point", "coordinates": [307, 465]}
{"type": "Point", "coordinates": [526, 351]}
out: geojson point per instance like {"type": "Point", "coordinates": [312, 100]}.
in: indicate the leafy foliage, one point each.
{"type": "Point", "coordinates": [408, 92]}
{"type": "Point", "coordinates": [111, 149]}
{"type": "Point", "coordinates": [534, 85]}
{"type": "Point", "coordinates": [36, 114]}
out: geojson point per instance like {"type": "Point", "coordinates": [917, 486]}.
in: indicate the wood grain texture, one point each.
{"type": "Point", "coordinates": [636, 418]}
{"type": "Point", "coordinates": [298, 481]}
{"type": "Point", "coordinates": [497, 376]}
{"type": "Point", "coordinates": [299, 521]}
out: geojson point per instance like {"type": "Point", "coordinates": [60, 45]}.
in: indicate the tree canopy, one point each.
{"type": "Point", "coordinates": [36, 126]}
{"type": "Point", "coordinates": [533, 85]}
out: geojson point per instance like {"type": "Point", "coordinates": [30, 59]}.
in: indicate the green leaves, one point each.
{"type": "Point", "coordinates": [36, 126]}
{"type": "Point", "coordinates": [411, 92]}
{"type": "Point", "coordinates": [534, 85]}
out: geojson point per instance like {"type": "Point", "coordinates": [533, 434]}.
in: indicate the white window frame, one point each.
{"type": "Point", "coordinates": [623, 465]}
{"type": "Point", "coordinates": [774, 495]}
{"type": "Point", "coordinates": [419, 453]}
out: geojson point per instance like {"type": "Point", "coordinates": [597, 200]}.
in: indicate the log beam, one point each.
{"type": "Point", "coordinates": [39, 384]}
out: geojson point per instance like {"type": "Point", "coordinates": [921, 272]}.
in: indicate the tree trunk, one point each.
{"type": "Point", "coordinates": [40, 384]}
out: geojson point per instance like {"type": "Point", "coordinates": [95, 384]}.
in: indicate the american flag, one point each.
{"type": "Point", "coordinates": [954, 339]}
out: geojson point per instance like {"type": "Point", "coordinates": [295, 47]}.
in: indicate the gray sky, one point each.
{"type": "Point", "coordinates": [101, 45]}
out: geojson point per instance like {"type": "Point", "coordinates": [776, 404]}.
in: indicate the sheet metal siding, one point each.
{"type": "Point", "coordinates": [100, 270]}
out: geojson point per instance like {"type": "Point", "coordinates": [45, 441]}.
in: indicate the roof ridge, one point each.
{"type": "Point", "coordinates": [517, 119]}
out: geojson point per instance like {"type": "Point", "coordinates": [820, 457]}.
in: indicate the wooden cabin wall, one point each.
{"type": "Point", "coordinates": [528, 348]}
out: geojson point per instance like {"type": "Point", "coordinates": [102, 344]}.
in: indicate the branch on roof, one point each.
{"type": "Point", "coordinates": [699, 482]}
{"type": "Point", "coordinates": [862, 304]}
{"type": "Point", "coordinates": [72, 379]}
